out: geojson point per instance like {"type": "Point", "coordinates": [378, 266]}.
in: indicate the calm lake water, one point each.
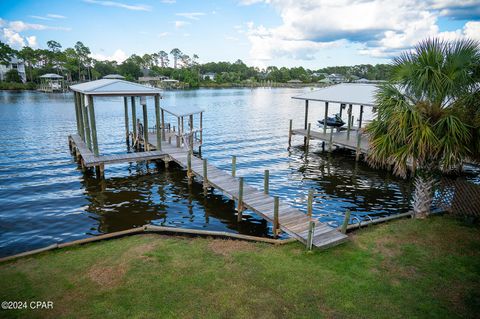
{"type": "Point", "coordinates": [45, 198]}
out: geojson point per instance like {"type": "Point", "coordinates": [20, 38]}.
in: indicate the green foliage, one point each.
{"type": "Point", "coordinates": [13, 76]}
{"type": "Point", "coordinates": [6, 53]}
{"type": "Point", "coordinates": [17, 86]}
{"type": "Point", "coordinates": [428, 113]}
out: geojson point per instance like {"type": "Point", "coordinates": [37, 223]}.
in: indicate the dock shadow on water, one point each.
{"type": "Point", "coordinates": [152, 194]}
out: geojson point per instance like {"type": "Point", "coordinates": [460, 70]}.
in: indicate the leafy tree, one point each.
{"type": "Point", "coordinates": [428, 114]}
{"type": "Point", "coordinates": [176, 53]}
{"type": "Point", "coordinates": [163, 56]}
{"type": "Point", "coordinates": [82, 55]}
{"type": "Point", "coordinates": [6, 53]}
{"type": "Point", "coordinates": [13, 76]}
{"type": "Point", "coordinates": [27, 54]}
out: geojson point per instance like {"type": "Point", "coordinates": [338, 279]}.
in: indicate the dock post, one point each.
{"type": "Point", "coordinates": [345, 221]}
{"type": "Point", "coordinates": [100, 171]}
{"type": "Point", "coordinates": [306, 121]}
{"type": "Point", "coordinates": [310, 203]}
{"type": "Point", "coordinates": [290, 133]}
{"type": "Point", "coordinates": [157, 120]}
{"type": "Point", "coordinates": [201, 129]}
{"type": "Point", "coordinates": [125, 103]}
{"type": "Point", "coordinates": [93, 126]}
{"type": "Point", "coordinates": [191, 138]}
{"type": "Point", "coordinates": [266, 178]}
{"type": "Point", "coordinates": [325, 119]}
{"type": "Point", "coordinates": [349, 121]}
{"type": "Point", "coordinates": [357, 151]}
{"type": "Point", "coordinates": [330, 141]}
{"type": "Point", "coordinates": [234, 165]}
{"type": "Point", "coordinates": [307, 145]}
{"type": "Point", "coordinates": [77, 117]}
{"type": "Point", "coordinates": [178, 135]}
{"type": "Point", "coordinates": [240, 200]}
{"type": "Point", "coordinates": [189, 167]}
{"type": "Point", "coordinates": [163, 124]}
{"type": "Point", "coordinates": [85, 122]}
{"type": "Point", "coordinates": [205, 175]}
{"type": "Point", "coordinates": [311, 233]}
{"type": "Point", "coordinates": [80, 116]}
{"type": "Point", "coordinates": [360, 119]}
{"type": "Point", "coordinates": [276, 223]}
{"type": "Point", "coordinates": [134, 120]}
{"type": "Point", "coordinates": [146, 146]}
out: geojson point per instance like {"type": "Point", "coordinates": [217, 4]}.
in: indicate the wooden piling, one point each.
{"type": "Point", "coordinates": [77, 117]}
{"type": "Point", "coordinates": [234, 165]}
{"type": "Point", "coordinates": [240, 199]}
{"type": "Point", "coordinates": [349, 124]}
{"type": "Point", "coordinates": [310, 203]}
{"type": "Point", "coordinates": [178, 135]}
{"type": "Point", "coordinates": [330, 140]}
{"type": "Point", "coordinates": [189, 167]}
{"type": "Point", "coordinates": [311, 234]}
{"type": "Point", "coordinates": [146, 146]}
{"type": "Point", "coordinates": [276, 224]}
{"type": "Point", "coordinates": [357, 150]}
{"type": "Point", "coordinates": [85, 123]}
{"type": "Point", "coordinates": [93, 126]}
{"type": "Point", "coordinates": [360, 119]}
{"type": "Point", "coordinates": [125, 104]}
{"type": "Point", "coordinates": [266, 182]}
{"type": "Point", "coordinates": [157, 119]}
{"type": "Point", "coordinates": [163, 124]}
{"type": "Point", "coordinates": [80, 114]}
{"type": "Point", "coordinates": [134, 120]}
{"type": "Point", "coordinates": [346, 220]}
{"type": "Point", "coordinates": [307, 145]}
{"type": "Point", "coordinates": [290, 133]}
{"type": "Point", "coordinates": [306, 121]}
{"type": "Point", "coordinates": [325, 119]}
{"type": "Point", "coordinates": [205, 174]}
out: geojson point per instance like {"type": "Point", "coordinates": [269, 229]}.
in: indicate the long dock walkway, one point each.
{"type": "Point", "coordinates": [291, 220]}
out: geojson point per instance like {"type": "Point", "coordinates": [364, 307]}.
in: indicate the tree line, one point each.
{"type": "Point", "coordinates": [77, 65]}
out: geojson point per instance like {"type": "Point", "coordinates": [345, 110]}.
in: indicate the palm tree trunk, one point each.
{"type": "Point", "coordinates": [423, 195]}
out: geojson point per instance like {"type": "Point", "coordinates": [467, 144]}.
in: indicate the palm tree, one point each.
{"type": "Point", "coordinates": [428, 115]}
{"type": "Point", "coordinates": [163, 59]}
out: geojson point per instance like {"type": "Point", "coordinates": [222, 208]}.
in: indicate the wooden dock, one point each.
{"type": "Point", "coordinates": [338, 138]}
{"type": "Point", "coordinates": [290, 220]}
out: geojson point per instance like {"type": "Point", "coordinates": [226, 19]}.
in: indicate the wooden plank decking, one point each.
{"type": "Point", "coordinates": [291, 220]}
{"type": "Point", "coordinates": [338, 138]}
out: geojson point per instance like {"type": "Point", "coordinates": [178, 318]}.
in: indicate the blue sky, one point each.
{"type": "Point", "coordinates": [309, 33]}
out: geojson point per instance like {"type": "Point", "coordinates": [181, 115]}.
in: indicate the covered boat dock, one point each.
{"type": "Point", "coordinates": [348, 96]}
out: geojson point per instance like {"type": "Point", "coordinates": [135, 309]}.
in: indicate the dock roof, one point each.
{"type": "Point", "coordinates": [182, 110]}
{"type": "Point", "coordinates": [347, 93]}
{"type": "Point", "coordinates": [114, 87]}
{"type": "Point", "coordinates": [51, 76]}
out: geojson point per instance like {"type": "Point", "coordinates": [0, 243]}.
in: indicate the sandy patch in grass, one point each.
{"type": "Point", "coordinates": [227, 247]}
{"type": "Point", "coordinates": [108, 276]}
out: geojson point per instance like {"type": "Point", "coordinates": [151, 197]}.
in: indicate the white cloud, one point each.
{"type": "Point", "coordinates": [180, 24]}
{"type": "Point", "coordinates": [382, 27]}
{"type": "Point", "coordinates": [191, 15]}
{"type": "Point", "coordinates": [56, 16]}
{"type": "Point", "coordinates": [11, 32]}
{"type": "Point", "coordinates": [163, 34]}
{"type": "Point", "coordinates": [41, 18]}
{"type": "Point", "coordinates": [230, 38]}
{"type": "Point", "coordinates": [32, 41]}
{"type": "Point", "coordinates": [169, 1]}
{"type": "Point", "coordinates": [13, 38]}
{"type": "Point", "coordinates": [133, 7]}
{"type": "Point", "coordinates": [472, 30]}
{"type": "Point", "coordinates": [119, 56]}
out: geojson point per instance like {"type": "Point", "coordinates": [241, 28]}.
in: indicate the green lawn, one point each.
{"type": "Point", "coordinates": [403, 269]}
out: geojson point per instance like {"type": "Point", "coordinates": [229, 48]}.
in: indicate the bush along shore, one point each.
{"type": "Point", "coordinates": [17, 86]}
{"type": "Point", "coordinates": [403, 269]}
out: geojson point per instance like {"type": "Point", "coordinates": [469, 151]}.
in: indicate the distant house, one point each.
{"type": "Point", "coordinates": [362, 80]}
{"type": "Point", "coordinates": [209, 76]}
{"type": "Point", "coordinates": [335, 78]}
{"type": "Point", "coordinates": [15, 64]}
{"type": "Point", "coordinates": [114, 76]}
{"type": "Point", "coordinates": [326, 81]}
